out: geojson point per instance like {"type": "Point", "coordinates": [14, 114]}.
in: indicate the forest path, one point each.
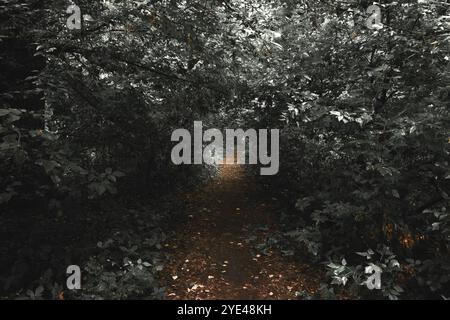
{"type": "Point", "coordinates": [213, 254]}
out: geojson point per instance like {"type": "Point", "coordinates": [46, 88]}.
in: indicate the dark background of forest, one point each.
{"type": "Point", "coordinates": [86, 117]}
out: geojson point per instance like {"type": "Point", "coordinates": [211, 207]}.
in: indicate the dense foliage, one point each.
{"type": "Point", "coordinates": [366, 142]}
{"type": "Point", "coordinates": [86, 117]}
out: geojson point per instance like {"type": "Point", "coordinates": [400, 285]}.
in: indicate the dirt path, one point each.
{"type": "Point", "coordinates": [212, 257]}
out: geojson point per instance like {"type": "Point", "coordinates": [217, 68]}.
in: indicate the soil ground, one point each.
{"type": "Point", "coordinates": [211, 256]}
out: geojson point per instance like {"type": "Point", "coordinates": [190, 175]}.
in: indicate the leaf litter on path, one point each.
{"type": "Point", "coordinates": [215, 258]}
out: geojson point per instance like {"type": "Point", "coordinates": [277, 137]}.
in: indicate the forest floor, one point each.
{"type": "Point", "coordinates": [212, 256]}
